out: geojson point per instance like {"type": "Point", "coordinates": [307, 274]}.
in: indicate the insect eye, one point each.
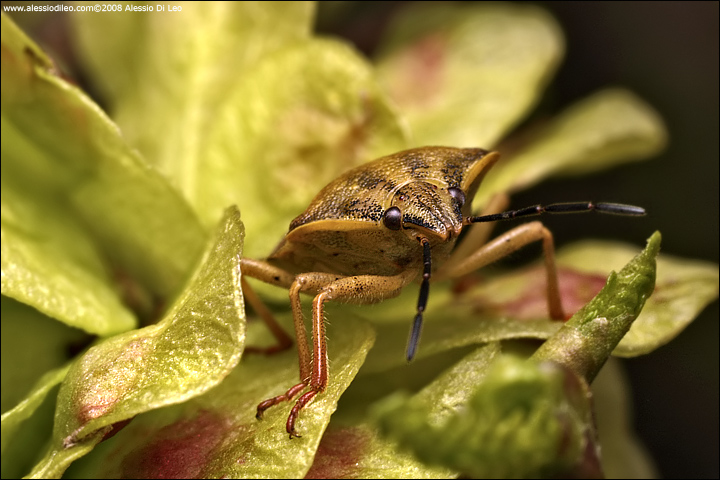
{"type": "Point", "coordinates": [392, 218]}
{"type": "Point", "coordinates": [458, 195]}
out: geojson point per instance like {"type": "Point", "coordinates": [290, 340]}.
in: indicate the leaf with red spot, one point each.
{"type": "Point", "coordinates": [190, 351]}
{"type": "Point", "coordinates": [514, 305]}
{"type": "Point", "coordinates": [217, 434]}
{"type": "Point", "coordinates": [466, 74]}
{"type": "Point", "coordinates": [526, 418]}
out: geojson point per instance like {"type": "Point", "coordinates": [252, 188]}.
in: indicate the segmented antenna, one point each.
{"type": "Point", "coordinates": [571, 207]}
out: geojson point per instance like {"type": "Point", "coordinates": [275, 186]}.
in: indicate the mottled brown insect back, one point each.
{"type": "Point", "coordinates": [379, 227]}
{"type": "Point", "coordinates": [363, 194]}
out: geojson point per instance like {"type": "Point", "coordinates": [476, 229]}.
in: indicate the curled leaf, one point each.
{"type": "Point", "coordinates": [190, 351]}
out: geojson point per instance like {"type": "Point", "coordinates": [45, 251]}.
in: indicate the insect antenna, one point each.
{"type": "Point", "coordinates": [422, 302]}
{"type": "Point", "coordinates": [571, 207]}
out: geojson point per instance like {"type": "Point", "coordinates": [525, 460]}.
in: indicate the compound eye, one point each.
{"type": "Point", "coordinates": [392, 218]}
{"type": "Point", "coordinates": [458, 195]}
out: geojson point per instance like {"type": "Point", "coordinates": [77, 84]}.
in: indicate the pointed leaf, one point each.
{"type": "Point", "coordinates": [585, 342]}
{"type": "Point", "coordinates": [682, 290]}
{"type": "Point", "coordinates": [608, 128]}
{"type": "Point", "coordinates": [187, 353]}
{"type": "Point", "coordinates": [465, 74]}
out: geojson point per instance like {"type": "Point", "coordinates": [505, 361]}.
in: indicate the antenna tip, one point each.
{"type": "Point", "coordinates": [414, 337]}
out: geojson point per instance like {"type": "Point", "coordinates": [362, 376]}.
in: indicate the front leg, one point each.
{"type": "Point", "coordinates": [361, 289]}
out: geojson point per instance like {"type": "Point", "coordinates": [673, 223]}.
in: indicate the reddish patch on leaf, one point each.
{"type": "Point", "coordinates": [106, 383]}
{"type": "Point", "coordinates": [576, 289]}
{"type": "Point", "coordinates": [179, 450]}
{"type": "Point", "coordinates": [420, 71]}
{"type": "Point", "coordinates": [338, 454]}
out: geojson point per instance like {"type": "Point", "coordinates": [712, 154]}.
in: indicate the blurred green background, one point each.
{"type": "Point", "coordinates": [667, 53]}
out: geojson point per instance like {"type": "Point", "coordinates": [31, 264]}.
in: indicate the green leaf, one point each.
{"type": "Point", "coordinates": [190, 351]}
{"type": "Point", "coordinates": [32, 345]}
{"type": "Point", "coordinates": [466, 74]}
{"type": "Point", "coordinates": [447, 324]}
{"type": "Point", "coordinates": [354, 448]}
{"type": "Point", "coordinates": [608, 128]}
{"type": "Point", "coordinates": [303, 116]}
{"type": "Point", "coordinates": [62, 154]}
{"type": "Point", "coordinates": [27, 429]}
{"type": "Point", "coordinates": [514, 305]}
{"type": "Point", "coordinates": [585, 342]}
{"type": "Point", "coordinates": [217, 435]}
{"type": "Point", "coordinates": [360, 451]}
{"type": "Point", "coordinates": [524, 420]}
{"type": "Point", "coordinates": [682, 290]}
{"type": "Point", "coordinates": [168, 73]}
{"type": "Point", "coordinates": [50, 263]}
{"type": "Point", "coordinates": [13, 419]}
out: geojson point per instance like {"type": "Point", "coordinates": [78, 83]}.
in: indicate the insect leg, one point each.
{"type": "Point", "coordinates": [362, 289]}
{"type": "Point", "coordinates": [304, 283]}
{"type": "Point", "coordinates": [283, 339]}
{"type": "Point", "coordinates": [270, 274]}
{"type": "Point", "coordinates": [509, 242]}
{"type": "Point", "coordinates": [478, 234]}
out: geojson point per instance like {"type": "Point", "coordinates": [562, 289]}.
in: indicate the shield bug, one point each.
{"type": "Point", "coordinates": [379, 227]}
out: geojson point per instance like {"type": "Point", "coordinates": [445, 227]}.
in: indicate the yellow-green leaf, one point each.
{"type": "Point", "coordinates": [217, 435]}
{"type": "Point", "coordinates": [608, 128]}
{"type": "Point", "coordinates": [303, 116]}
{"type": "Point", "coordinates": [168, 73]}
{"type": "Point", "coordinates": [190, 351]}
{"type": "Point", "coordinates": [466, 74]}
{"type": "Point", "coordinates": [59, 148]}
{"type": "Point", "coordinates": [682, 290]}
{"type": "Point", "coordinates": [585, 342]}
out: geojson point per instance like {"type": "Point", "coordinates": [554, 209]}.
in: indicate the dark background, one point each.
{"type": "Point", "coordinates": [667, 53]}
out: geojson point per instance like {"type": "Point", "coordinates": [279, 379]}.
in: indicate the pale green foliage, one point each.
{"type": "Point", "coordinates": [104, 221]}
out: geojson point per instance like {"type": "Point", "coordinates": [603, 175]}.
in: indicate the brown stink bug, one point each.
{"type": "Point", "coordinates": [379, 227]}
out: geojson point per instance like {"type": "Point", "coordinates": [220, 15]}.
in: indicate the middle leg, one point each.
{"type": "Point", "coordinates": [506, 244]}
